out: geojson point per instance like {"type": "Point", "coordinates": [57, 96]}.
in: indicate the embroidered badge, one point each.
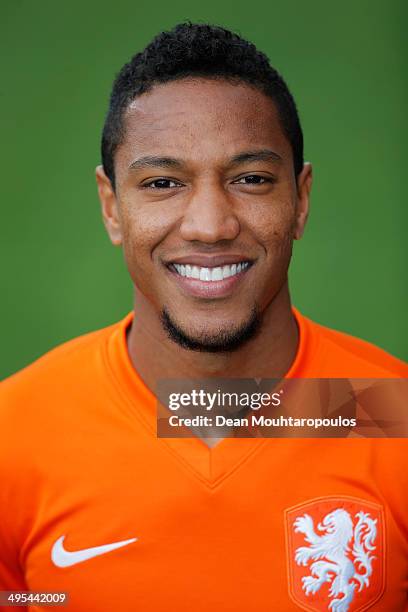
{"type": "Point", "coordinates": [335, 554]}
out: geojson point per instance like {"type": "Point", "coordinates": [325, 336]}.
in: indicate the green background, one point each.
{"type": "Point", "coordinates": [345, 64]}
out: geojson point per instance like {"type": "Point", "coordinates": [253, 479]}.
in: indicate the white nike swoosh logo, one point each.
{"type": "Point", "coordinates": [64, 558]}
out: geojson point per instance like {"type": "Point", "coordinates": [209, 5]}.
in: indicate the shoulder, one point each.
{"type": "Point", "coordinates": [61, 373]}
{"type": "Point", "coordinates": [70, 352]}
{"type": "Point", "coordinates": [338, 354]}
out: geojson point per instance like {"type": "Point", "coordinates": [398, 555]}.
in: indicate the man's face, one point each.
{"type": "Point", "coordinates": [206, 206]}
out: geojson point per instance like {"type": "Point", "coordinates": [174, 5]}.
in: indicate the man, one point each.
{"type": "Point", "coordinates": [203, 184]}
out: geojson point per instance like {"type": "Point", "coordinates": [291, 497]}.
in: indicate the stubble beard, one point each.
{"type": "Point", "coordinates": [225, 340]}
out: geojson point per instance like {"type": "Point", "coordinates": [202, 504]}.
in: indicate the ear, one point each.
{"type": "Point", "coordinates": [304, 186]}
{"type": "Point", "coordinates": [109, 205]}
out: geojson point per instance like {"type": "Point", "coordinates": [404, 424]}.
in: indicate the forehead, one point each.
{"type": "Point", "coordinates": [202, 119]}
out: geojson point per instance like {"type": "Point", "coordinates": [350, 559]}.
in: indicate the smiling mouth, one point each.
{"type": "Point", "coordinates": [210, 274]}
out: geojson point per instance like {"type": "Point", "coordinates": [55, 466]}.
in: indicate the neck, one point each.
{"type": "Point", "coordinates": [268, 355]}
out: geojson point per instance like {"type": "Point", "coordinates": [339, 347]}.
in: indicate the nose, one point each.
{"type": "Point", "coordinates": [209, 215]}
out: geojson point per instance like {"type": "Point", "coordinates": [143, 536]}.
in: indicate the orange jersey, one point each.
{"type": "Point", "coordinates": [93, 504]}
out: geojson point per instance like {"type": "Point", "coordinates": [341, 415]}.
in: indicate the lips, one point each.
{"type": "Point", "coordinates": [209, 277]}
{"type": "Point", "coordinates": [208, 274]}
{"type": "Point", "coordinates": [210, 261]}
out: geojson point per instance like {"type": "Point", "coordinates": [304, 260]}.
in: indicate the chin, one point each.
{"type": "Point", "coordinates": [213, 338]}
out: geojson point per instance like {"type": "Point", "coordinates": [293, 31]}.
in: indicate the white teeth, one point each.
{"type": "Point", "coordinates": [210, 274]}
{"type": "Point", "coordinates": [205, 274]}
{"type": "Point", "coordinates": [195, 272]}
{"type": "Point", "coordinates": [216, 274]}
{"type": "Point", "coordinates": [226, 271]}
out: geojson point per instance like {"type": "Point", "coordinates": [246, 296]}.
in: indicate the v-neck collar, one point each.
{"type": "Point", "coordinates": [210, 465]}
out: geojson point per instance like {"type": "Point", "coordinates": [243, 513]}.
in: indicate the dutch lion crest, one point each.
{"type": "Point", "coordinates": [339, 552]}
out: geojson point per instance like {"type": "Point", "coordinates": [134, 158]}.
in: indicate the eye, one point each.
{"type": "Point", "coordinates": [162, 183]}
{"type": "Point", "coordinates": [253, 179]}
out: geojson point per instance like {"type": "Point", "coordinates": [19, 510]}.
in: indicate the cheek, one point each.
{"type": "Point", "coordinates": [141, 233]}
{"type": "Point", "coordinates": [143, 228]}
{"type": "Point", "coordinates": [274, 225]}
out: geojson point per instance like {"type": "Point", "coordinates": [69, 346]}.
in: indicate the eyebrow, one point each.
{"type": "Point", "coordinates": [152, 161]}
{"type": "Point", "coordinates": [252, 156]}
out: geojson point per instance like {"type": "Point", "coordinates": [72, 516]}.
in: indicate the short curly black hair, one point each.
{"type": "Point", "coordinates": [199, 50]}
